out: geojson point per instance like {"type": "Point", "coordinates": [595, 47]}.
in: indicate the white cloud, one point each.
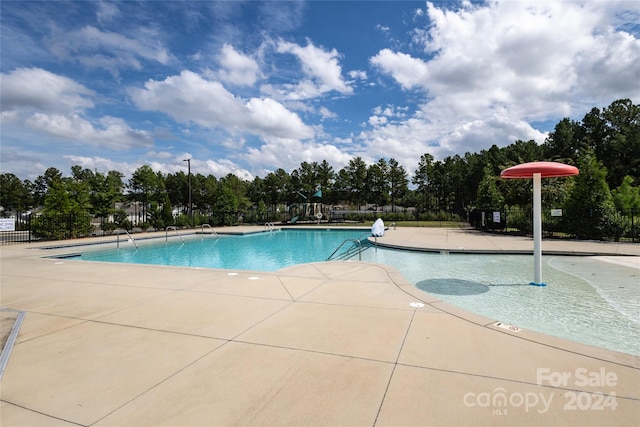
{"type": "Point", "coordinates": [490, 69]}
{"type": "Point", "coordinates": [116, 50]}
{"type": "Point", "coordinates": [477, 74]}
{"type": "Point", "coordinates": [358, 74]}
{"type": "Point", "coordinates": [170, 164]}
{"type": "Point", "coordinates": [100, 164]}
{"type": "Point", "coordinates": [613, 67]}
{"type": "Point", "coordinates": [405, 141]}
{"type": "Point", "coordinates": [237, 68]}
{"type": "Point", "coordinates": [409, 72]}
{"type": "Point", "coordinates": [161, 154]}
{"type": "Point", "coordinates": [190, 98]}
{"type": "Point", "coordinates": [377, 120]}
{"type": "Point", "coordinates": [224, 167]}
{"type": "Point", "coordinates": [322, 68]}
{"type": "Point", "coordinates": [326, 113]}
{"type": "Point", "coordinates": [56, 105]}
{"type": "Point", "coordinates": [288, 154]}
{"type": "Point", "coordinates": [110, 132]}
{"type": "Point", "coordinates": [28, 89]}
{"type": "Point", "coordinates": [107, 11]}
{"type": "Point", "coordinates": [534, 59]}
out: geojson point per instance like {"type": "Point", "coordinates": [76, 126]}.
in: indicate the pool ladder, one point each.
{"type": "Point", "coordinates": [166, 233]}
{"type": "Point", "coordinates": [211, 230]}
{"type": "Point", "coordinates": [129, 236]}
{"type": "Point", "coordinates": [270, 226]}
{"type": "Point", "coordinates": [349, 252]}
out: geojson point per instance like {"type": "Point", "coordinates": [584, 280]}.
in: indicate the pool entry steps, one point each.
{"type": "Point", "coordinates": [356, 245]}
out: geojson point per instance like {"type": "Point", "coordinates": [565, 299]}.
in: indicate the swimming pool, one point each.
{"type": "Point", "coordinates": [263, 251]}
{"type": "Point", "coordinates": [586, 301]}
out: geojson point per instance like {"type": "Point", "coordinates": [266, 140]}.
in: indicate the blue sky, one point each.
{"type": "Point", "coordinates": [247, 87]}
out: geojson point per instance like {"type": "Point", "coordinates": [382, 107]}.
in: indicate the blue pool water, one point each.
{"type": "Point", "coordinates": [267, 251]}
{"type": "Point", "coordinates": [587, 300]}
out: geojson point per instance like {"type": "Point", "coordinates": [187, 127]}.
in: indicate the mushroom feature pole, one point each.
{"type": "Point", "coordinates": [537, 230]}
{"type": "Point", "coordinates": [537, 171]}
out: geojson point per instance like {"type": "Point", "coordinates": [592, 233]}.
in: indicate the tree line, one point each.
{"type": "Point", "coordinates": [604, 145]}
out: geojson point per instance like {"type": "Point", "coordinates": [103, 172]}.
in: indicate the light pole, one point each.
{"type": "Point", "coordinates": [189, 177]}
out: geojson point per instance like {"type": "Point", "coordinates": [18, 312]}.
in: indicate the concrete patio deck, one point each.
{"type": "Point", "coordinates": [334, 344]}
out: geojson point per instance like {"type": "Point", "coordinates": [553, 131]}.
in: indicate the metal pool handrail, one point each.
{"type": "Point", "coordinates": [166, 233]}
{"type": "Point", "coordinates": [358, 241]}
{"type": "Point", "coordinates": [211, 230]}
{"type": "Point", "coordinates": [130, 238]}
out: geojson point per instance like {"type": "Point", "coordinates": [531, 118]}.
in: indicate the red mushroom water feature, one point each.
{"type": "Point", "coordinates": [537, 171]}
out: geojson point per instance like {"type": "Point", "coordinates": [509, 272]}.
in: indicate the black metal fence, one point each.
{"type": "Point", "coordinates": [27, 227]}
{"type": "Point", "coordinates": [584, 224]}
{"type": "Point", "coordinates": [16, 229]}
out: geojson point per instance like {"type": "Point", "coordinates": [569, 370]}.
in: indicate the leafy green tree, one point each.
{"type": "Point", "coordinates": [564, 144]}
{"type": "Point", "coordinates": [398, 182]}
{"type": "Point", "coordinates": [43, 184]}
{"type": "Point", "coordinates": [51, 175]}
{"type": "Point", "coordinates": [199, 195]}
{"type": "Point", "coordinates": [440, 185]}
{"type": "Point", "coordinates": [145, 184]}
{"type": "Point", "coordinates": [67, 196]}
{"type": "Point", "coordinates": [80, 174]}
{"type": "Point", "coordinates": [79, 193]}
{"type": "Point", "coordinates": [58, 199]}
{"type": "Point", "coordinates": [421, 179]}
{"type": "Point", "coordinates": [376, 183]}
{"type": "Point", "coordinates": [226, 206]}
{"type": "Point", "coordinates": [66, 211]}
{"type": "Point", "coordinates": [105, 191]}
{"type": "Point", "coordinates": [467, 174]}
{"type": "Point", "coordinates": [167, 211]}
{"type": "Point", "coordinates": [590, 212]}
{"type": "Point", "coordinates": [255, 190]}
{"type": "Point", "coordinates": [490, 197]}
{"type": "Point", "coordinates": [325, 177]}
{"type": "Point", "coordinates": [356, 177]}
{"type": "Point", "coordinates": [120, 219]}
{"type": "Point", "coordinates": [14, 195]}
{"type": "Point", "coordinates": [208, 191]}
{"type": "Point", "coordinates": [161, 216]}
{"type": "Point", "coordinates": [261, 211]}
{"type": "Point", "coordinates": [620, 151]}
{"type": "Point", "coordinates": [177, 187]}
{"type": "Point", "coordinates": [522, 152]}
{"type": "Point", "coordinates": [341, 188]}
{"type": "Point", "coordinates": [305, 178]}
{"type": "Point", "coordinates": [627, 196]}
{"type": "Point", "coordinates": [154, 216]}
{"type": "Point", "coordinates": [277, 187]}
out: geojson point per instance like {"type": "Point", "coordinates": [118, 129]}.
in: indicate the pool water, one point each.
{"type": "Point", "coordinates": [586, 300]}
{"type": "Point", "coordinates": [267, 251]}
